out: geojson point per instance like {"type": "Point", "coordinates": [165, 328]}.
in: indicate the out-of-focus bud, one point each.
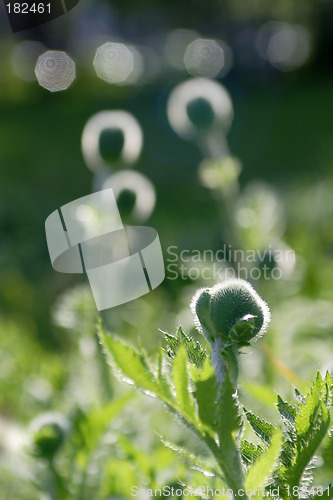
{"type": "Point", "coordinates": [111, 138]}
{"type": "Point", "coordinates": [49, 431]}
{"type": "Point", "coordinates": [199, 106]}
{"type": "Point", "coordinates": [221, 173]}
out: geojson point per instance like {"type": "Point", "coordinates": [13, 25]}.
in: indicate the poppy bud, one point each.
{"type": "Point", "coordinates": [231, 311]}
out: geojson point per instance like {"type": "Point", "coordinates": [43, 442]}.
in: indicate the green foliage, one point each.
{"type": "Point", "coordinates": [196, 353]}
{"type": "Point", "coordinates": [250, 452]}
{"type": "Point", "coordinates": [205, 394]}
{"type": "Point", "coordinates": [91, 425]}
{"type": "Point", "coordinates": [188, 385]}
{"type": "Point", "coordinates": [310, 422]}
{"type": "Point", "coordinates": [48, 438]}
{"type": "Point", "coordinates": [262, 428]}
{"type": "Point", "coordinates": [180, 380]}
{"type": "Point", "coordinates": [287, 411]}
{"type": "Point", "coordinates": [305, 424]}
{"type": "Point", "coordinates": [260, 471]}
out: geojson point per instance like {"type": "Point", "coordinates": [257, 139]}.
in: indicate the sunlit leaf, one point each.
{"type": "Point", "coordinates": [262, 469]}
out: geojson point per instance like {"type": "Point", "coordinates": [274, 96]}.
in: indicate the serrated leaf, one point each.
{"type": "Point", "coordinates": [299, 396]}
{"type": "Point", "coordinates": [195, 352]}
{"type": "Point", "coordinates": [307, 444]}
{"type": "Point", "coordinates": [133, 366]}
{"type": "Point", "coordinates": [250, 452]}
{"type": "Point", "coordinates": [288, 452]}
{"type": "Point", "coordinates": [262, 428]}
{"type": "Point", "coordinates": [312, 423]}
{"type": "Point", "coordinates": [262, 469]}
{"type": "Point", "coordinates": [287, 411]}
{"type": "Point", "coordinates": [307, 412]}
{"type": "Point", "coordinates": [181, 382]}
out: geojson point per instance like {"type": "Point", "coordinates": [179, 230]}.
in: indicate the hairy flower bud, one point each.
{"type": "Point", "coordinates": [231, 311]}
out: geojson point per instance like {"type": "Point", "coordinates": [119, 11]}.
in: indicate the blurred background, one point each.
{"type": "Point", "coordinates": [261, 180]}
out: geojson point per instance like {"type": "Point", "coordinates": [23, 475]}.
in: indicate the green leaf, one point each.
{"type": "Point", "coordinates": [250, 452]}
{"type": "Point", "coordinates": [312, 423]}
{"type": "Point", "coordinates": [228, 413]}
{"type": "Point", "coordinates": [329, 383]}
{"type": "Point", "coordinates": [195, 352]}
{"type": "Point", "coordinates": [314, 412]}
{"type": "Point", "coordinates": [288, 452]}
{"type": "Point", "coordinates": [89, 427]}
{"type": "Point", "coordinates": [205, 467]}
{"type": "Point", "coordinates": [118, 477]}
{"type": "Point", "coordinates": [181, 382]}
{"type": "Point", "coordinates": [206, 394]}
{"type": "Point", "coordinates": [262, 428]}
{"type": "Point", "coordinates": [305, 416]}
{"type": "Point", "coordinates": [299, 396]}
{"type": "Point", "coordinates": [287, 411]}
{"type": "Point", "coordinates": [134, 367]}
{"type": "Point", "coordinates": [262, 469]}
{"type": "Point", "coordinates": [137, 457]}
{"type": "Point", "coordinates": [163, 379]}
{"type": "Point", "coordinates": [307, 444]}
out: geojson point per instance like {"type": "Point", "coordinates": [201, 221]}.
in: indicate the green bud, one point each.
{"type": "Point", "coordinates": [221, 174]}
{"type": "Point", "coordinates": [49, 431]}
{"type": "Point", "coordinates": [231, 311]}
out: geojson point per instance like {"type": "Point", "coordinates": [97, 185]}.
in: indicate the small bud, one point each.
{"type": "Point", "coordinates": [49, 431]}
{"type": "Point", "coordinates": [111, 138]}
{"type": "Point", "coordinates": [199, 106]}
{"type": "Point", "coordinates": [231, 311]}
{"type": "Point", "coordinates": [221, 174]}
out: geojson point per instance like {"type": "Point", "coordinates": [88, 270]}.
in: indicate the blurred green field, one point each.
{"type": "Point", "coordinates": [50, 359]}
